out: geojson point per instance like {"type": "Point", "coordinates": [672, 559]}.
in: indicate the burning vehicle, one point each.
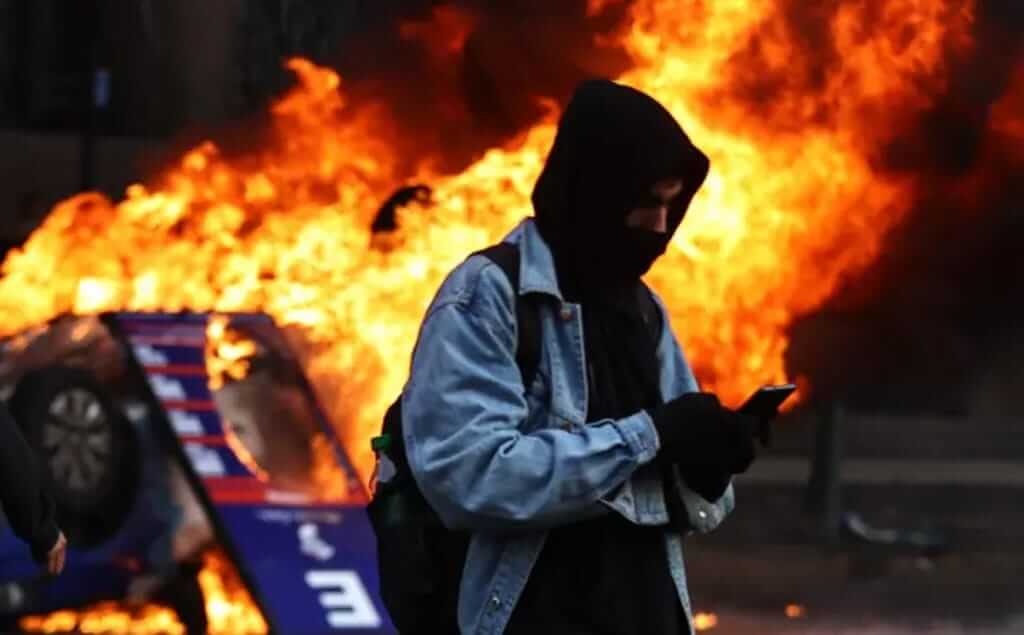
{"type": "Point", "coordinates": [65, 383]}
{"type": "Point", "coordinates": [163, 435]}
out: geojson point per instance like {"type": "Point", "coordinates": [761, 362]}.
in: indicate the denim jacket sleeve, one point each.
{"type": "Point", "coordinates": [463, 410]}
{"type": "Point", "coordinates": [677, 379]}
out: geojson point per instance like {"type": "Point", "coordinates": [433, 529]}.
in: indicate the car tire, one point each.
{"type": "Point", "coordinates": [88, 447]}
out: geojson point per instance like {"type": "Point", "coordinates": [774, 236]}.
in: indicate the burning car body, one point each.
{"type": "Point", "coordinates": [167, 435]}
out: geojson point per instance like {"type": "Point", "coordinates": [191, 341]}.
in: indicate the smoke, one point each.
{"type": "Point", "coordinates": [937, 321]}
{"type": "Point", "coordinates": [463, 77]}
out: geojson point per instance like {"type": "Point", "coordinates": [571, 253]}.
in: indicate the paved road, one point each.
{"type": "Point", "coordinates": [753, 624]}
{"type": "Point", "coordinates": [795, 470]}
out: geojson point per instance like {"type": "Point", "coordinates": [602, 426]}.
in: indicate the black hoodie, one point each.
{"type": "Point", "coordinates": [613, 144]}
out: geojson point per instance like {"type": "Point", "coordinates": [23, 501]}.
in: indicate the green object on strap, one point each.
{"type": "Point", "coordinates": [383, 442]}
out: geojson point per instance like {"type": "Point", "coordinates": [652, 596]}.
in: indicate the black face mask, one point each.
{"type": "Point", "coordinates": [613, 144]}
{"type": "Point", "coordinates": [618, 256]}
{"type": "Point", "coordinates": [640, 248]}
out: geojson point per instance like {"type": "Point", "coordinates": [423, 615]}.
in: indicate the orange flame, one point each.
{"type": "Point", "coordinates": [107, 617]}
{"type": "Point", "coordinates": [705, 621]}
{"type": "Point", "coordinates": [229, 610]}
{"type": "Point", "coordinates": [796, 611]}
{"type": "Point", "coordinates": [229, 607]}
{"type": "Point", "coordinates": [227, 354]}
{"type": "Point", "coordinates": [787, 213]}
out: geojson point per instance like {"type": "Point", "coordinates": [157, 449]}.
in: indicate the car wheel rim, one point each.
{"type": "Point", "coordinates": [77, 439]}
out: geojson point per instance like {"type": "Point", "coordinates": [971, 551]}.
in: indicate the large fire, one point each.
{"type": "Point", "coordinates": [792, 205]}
{"type": "Point", "coordinates": [788, 210]}
{"type": "Point", "coordinates": [229, 610]}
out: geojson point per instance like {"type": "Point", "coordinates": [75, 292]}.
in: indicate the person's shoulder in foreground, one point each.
{"type": "Point", "coordinates": [26, 503]}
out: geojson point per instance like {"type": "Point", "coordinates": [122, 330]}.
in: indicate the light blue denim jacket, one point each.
{"type": "Point", "coordinates": [510, 464]}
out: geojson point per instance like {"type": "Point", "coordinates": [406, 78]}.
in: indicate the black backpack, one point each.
{"type": "Point", "coordinates": [419, 560]}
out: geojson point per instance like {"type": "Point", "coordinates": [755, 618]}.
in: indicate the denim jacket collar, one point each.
{"type": "Point", "coordinates": [536, 263]}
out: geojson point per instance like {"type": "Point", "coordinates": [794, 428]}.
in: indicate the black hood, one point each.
{"type": "Point", "coordinates": [613, 144]}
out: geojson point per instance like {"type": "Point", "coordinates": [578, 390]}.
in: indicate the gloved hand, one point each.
{"type": "Point", "coordinates": [710, 483]}
{"type": "Point", "coordinates": [698, 433]}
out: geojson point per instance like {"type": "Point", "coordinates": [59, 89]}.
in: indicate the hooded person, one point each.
{"type": "Point", "coordinates": [576, 490]}
{"type": "Point", "coordinates": [614, 145]}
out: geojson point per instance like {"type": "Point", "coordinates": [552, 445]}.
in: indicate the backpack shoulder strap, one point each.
{"type": "Point", "coordinates": [506, 256]}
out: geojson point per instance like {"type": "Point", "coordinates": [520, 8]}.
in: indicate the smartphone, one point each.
{"type": "Point", "coordinates": [764, 404]}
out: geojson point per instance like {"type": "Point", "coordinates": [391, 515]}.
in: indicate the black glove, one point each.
{"type": "Point", "coordinates": [710, 483]}
{"type": "Point", "coordinates": [698, 433]}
